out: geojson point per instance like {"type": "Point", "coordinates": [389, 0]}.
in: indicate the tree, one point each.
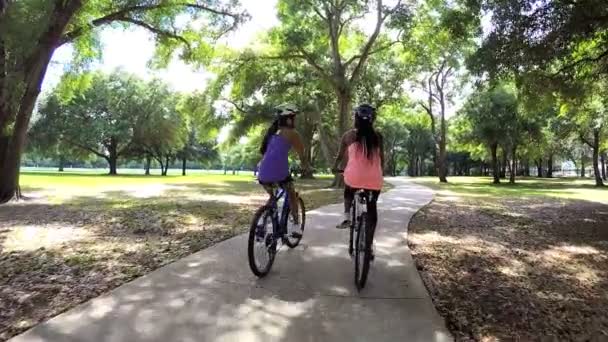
{"type": "Point", "coordinates": [161, 129]}
{"type": "Point", "coordinates": [315, 30]}
{"type": "Point", "coordinates": [589, 115]}
{"type": "Point", "coordinates": [47, 135]}
{"type": "Point", "coordinates": [561, 38]}
{"type": "Point", "coordinates": [442, 37]}
{"type": "Point", "coordinates": [197, 150]}
{"type": "Point", "coordinates": [257, 87]}
{"type": "Point", "coordinates": [30, 32]}
{"type": "Point", "coordinates": [489, 114]}
{"type": "Point", "coordinates": [99, 119]}
{"type": "Point", "coordinates": [324, 34]}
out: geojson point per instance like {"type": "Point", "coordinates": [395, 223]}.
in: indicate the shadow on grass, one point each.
{"type": "Point", "coordinates": [125, 236]}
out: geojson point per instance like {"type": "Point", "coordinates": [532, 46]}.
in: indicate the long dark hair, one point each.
{"type": "Point", "coordinates": [272, 130]}
{"type": "Point", "coordinates": [367, 137]}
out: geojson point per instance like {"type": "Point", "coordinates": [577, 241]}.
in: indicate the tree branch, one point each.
{"type": "Point", "coordinates": [236, 106]}
{"type": "Point", "coordinates": [370, 42]}
{"type": "Point", "coordinates": [123, 14]}
{"type": "Point", "coordinates": [581, 61]}
{"type": "Point", "coordinates": [86, 148]}
{"type": "Point", "coordinates": [157, 31]}
{"type": "Point", "coordinates": [372, 52]}
{"type": "Point", "coordinates": [585, 140]}
{"type": "Point", "coordinates": [311, 61]}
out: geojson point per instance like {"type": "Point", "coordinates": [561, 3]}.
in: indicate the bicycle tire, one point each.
{"type": "Point", "coordinates": [362, 253]}
{"type": "Point", "coordinates": [264, 212]}
{"type": "Point", "coordinates": [353, 222]}
{"type": "Point", "coordinates": [294, 242]}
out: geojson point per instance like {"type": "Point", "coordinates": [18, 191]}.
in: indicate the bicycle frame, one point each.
{"type": "Point", "coordinates": [358, 207]}
{"type": "Point", "coordinates": [279, 222]}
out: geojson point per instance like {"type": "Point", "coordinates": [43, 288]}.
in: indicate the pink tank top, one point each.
{"type": "Point", "coordinates": [361, 172]}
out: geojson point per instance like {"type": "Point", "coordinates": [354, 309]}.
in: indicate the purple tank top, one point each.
{"type": "Point", "coordinates": [274, 166]}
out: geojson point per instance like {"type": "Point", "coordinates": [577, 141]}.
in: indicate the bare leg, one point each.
{"type": "Point", "coordinates": [270, 192]}
{"type": "Point", "coordinates": [293, 202]}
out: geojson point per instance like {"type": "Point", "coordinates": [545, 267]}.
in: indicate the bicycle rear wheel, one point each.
{"type": "Point", "coordinates": [362, 252]}
{"type": "Point", "coordinates": [353, 224]}
{"type": "Point", "coordinates": [293, 242]}
{"type": "Point", "coordinates": [261, 247]}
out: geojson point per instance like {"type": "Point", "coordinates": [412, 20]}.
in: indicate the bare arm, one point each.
{"type": "Point", "coordinates": [295, 140]}
{"type": "Point", "coordinates": [381, 140]}
{"type": "Point", "coordinates": [346, 140]}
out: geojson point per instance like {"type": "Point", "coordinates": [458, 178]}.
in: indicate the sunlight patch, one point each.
{"type": "Point", "coordinates": [33, 237]}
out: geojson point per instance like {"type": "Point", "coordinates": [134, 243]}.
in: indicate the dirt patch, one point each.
{"type": "Point", "coordinates": [505, 269]}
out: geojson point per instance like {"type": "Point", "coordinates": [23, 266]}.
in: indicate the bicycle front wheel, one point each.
{"type": "Point", "coordinates": [362, 252]}
{"type": "Point", "coordinates": [261, 247]}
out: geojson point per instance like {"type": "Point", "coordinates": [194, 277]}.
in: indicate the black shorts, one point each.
{"type": "Point", "coordinates": [283, 183]}
{"type": "Point", "coordinates": [349, 193]}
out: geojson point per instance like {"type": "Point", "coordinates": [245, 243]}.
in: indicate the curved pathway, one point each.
{"type": "Point", "coordinates": [308, 296]}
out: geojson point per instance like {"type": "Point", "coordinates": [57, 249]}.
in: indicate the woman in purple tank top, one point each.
{"type": "Point", "coordinates": [274, 166]}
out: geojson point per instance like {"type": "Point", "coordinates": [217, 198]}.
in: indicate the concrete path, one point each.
{"type": "Point", "coordinates": [308, 296]}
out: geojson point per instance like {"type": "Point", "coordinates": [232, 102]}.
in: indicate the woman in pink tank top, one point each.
{"type": "Point", "coordinates": [362, 149]}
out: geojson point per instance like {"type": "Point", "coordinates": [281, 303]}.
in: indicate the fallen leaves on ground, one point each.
{"type": "Point", "coordinates": [515, 269]}
{"type": "Point", "coordinates": [54, 256]}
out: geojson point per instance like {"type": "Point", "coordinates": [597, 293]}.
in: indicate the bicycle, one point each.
{"type": "Point", "coordinates": [269, 239]}
{"type": "Point", "coordinates": [361, 237]}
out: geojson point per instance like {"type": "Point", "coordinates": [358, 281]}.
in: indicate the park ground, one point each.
{"type": "Point", "coordinates": [522, 262]}
{"type": "Point", "coordinates": [508, 262]}
{"type": "Point", "coordinates": [82, 234]}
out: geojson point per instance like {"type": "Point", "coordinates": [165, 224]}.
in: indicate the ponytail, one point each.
{"type": "Point", "coordinates": [272, 130]}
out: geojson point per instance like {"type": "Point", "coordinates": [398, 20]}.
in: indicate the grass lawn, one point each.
{"type": "Point", "coordinates": [82, 234]}
{"type": "Point", "coordinates": [516, 262]}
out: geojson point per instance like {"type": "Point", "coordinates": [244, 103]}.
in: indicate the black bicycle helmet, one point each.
{"type": "Point", "coordinates": [365, 112]}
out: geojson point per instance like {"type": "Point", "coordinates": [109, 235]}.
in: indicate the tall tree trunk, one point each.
{"type": "Point", "coordinates": [344, 109]}
{"type": "Point", "coordinates": [583, 173]}
{"type": "Point", "coordinates": [513, 164]}
{"type": "Point", "coordinates": [307, 173]}
{"type": "Point", "coordinates": [496, 170]}
{"type": "Point", "coordinates": [113, 156]}
{"type": "Point", "coordinates": [27, 90]}
{"type": "Point", "coordinates": [61, 163]}
{"type": "Point", "coordinates": [443, 168]}
{"type": "Point", "coordinates": [160, 160]}
{"type": "Point", "coordinates": [147, 165]}
{"type": "Point", "coordinates": [411, 165]}
{"type": "Point", "coordinates": [184, 162]}
{"type": "Point", "coordinates": [503, 165]}
{"type": "Point", "coordinates": [596, 154]}
{"type": "Point", "coordinates": [603, 166]}
{"type": "Point", "coordinates": [527, 167]}
{"type": "Point", "coordinates": [550, 166]}
{"type": "Point", "coordinates": [112, 165]}
{"type": "Point", "coordinates": [539, 168]}
{"type": "Point", "coordinates": [166, 169]}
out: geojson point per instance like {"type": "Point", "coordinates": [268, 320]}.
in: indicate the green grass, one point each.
{"type": "Point", "coordinates": [566, 188]}
{"type": "Point", "coordinates": [50, 179]}
{"type": "Point", "coordinates": [88, 180]}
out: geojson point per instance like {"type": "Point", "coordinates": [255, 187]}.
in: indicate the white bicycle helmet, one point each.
{"type": "Point", "coordinates": [287, 110]}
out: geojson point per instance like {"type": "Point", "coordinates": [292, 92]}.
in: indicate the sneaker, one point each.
{"type": "Point", "coordinates": [344, 225]}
